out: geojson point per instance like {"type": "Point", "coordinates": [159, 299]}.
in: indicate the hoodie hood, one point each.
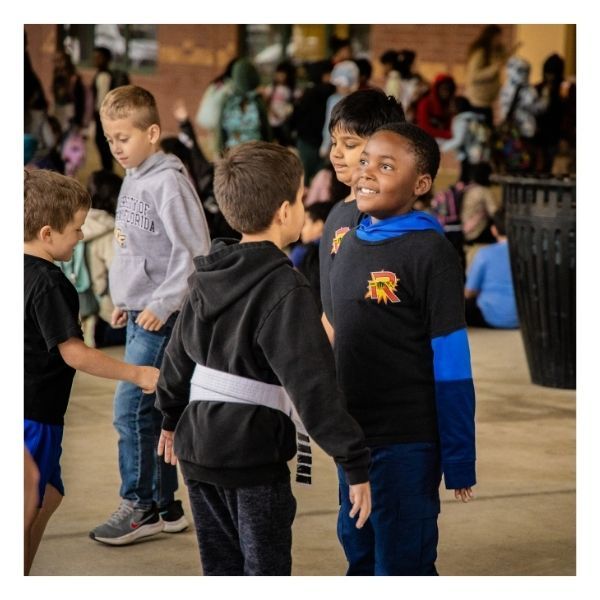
{"type": "Point", "coordinates": [156, 163]}
{"type": "Point", "coordinates": [230, 271]}
{"type": "Point", "coordinates": [416, 220]}
{"type": "Point", "coordinates": [436, 101]}
{"type": "Point", "coordinates": [244, 76]}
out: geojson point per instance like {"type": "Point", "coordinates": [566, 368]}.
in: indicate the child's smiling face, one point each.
{"type": "Point", "coordinates": [387, 180]}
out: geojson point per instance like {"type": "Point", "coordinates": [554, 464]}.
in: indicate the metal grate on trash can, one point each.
{"type": "Point", "coordinates": [540, 226]}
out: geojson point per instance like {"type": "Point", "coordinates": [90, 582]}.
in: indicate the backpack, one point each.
{"type": "Point", "coordinates": [73, 152]}
{"type": "Point", "coordinates": [241, 119]}
{"type": "Point", "coordinates": [477, 143]}
{"type": "Point", "coordinates": [511, 151]}
{"type": "Point", "coordinates": [209, 110]}
{"type": "Point", "coordinates": [446, 206]}
{"type": "Point", "coordinates": [77, 272]}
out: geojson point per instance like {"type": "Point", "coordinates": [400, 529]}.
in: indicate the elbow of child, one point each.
{"type": "Point", "coordinates": [73, 353]}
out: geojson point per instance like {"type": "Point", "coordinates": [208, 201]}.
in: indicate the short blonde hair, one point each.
{"type": "Point", "coordinates": [131, 101]}
{"type": "Point", "coordinates": [51, 199]}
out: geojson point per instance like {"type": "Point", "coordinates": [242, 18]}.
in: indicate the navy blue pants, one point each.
{"type": "Point", "coordinates": [244, 531]}
{"type": "Point", "coordinates": [401, 535]}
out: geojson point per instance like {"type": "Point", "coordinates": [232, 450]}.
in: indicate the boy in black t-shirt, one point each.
{"type": "Point", "coordinates": [402, 356]}
{"type": "Point", "coordinates": [55, 209]}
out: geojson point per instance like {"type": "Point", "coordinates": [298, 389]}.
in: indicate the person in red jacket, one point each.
{"type": "Point", "coordinates": [436, 109]}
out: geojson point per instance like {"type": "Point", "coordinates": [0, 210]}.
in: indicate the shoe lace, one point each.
{"type": "Point", "coordinates": [125, 509]}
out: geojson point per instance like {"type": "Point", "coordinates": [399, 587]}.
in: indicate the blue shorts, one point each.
{"type": "Point", "coordinates": [44, 444]}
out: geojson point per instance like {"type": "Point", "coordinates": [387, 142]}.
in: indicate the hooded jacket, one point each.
{"type": "Point", "coordinates": [434, 116]}
{"type": "Point", "coordinates": [249, 313]}
{"type": "Point", "coordinates": [402, 352]}
{"type": "Point", "coordinates": [159, 227]}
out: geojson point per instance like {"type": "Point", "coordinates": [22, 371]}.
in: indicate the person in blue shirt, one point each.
{"type": "Point", "coordinates": [489, 293]}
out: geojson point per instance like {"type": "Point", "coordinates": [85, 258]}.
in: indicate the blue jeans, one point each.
{"type": "Point", "coordinates": [401, 535]}
{"type": "Point", "coordinates": [145, 477]}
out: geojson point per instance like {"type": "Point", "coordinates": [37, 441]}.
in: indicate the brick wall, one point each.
{"type": "Point", "coordinates": [439, 48]}
{"type": "Point", "coordinates": [189, 57]}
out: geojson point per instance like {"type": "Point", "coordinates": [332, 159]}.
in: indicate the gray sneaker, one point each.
{"type": "Point", "coordinates": [128, 524]}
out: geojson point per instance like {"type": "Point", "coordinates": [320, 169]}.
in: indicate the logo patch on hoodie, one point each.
{"type": "Point", "coordinates": [382, 287]}
{"type": "Point", "coordinates": [337, 239]}
{"type": "Point", "coordinates": [120, 237]}
{"type": "Point", "coordinates": [136, 213]}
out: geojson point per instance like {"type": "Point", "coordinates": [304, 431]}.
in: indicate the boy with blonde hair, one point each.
{"type": "Point", "coordinates": [159, 227]}
{"type": "Point", "coordinates": [247, 368]}
{"type": "Point", "coordinates": [55, 209]}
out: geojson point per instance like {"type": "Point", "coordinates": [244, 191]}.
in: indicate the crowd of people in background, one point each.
{"type": "Point", "coordinates": [498, 121]}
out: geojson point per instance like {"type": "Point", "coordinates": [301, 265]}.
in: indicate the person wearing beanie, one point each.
{"type": "Point", "coordinates": [244, 114]}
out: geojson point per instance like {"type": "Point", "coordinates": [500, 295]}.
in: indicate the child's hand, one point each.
{"type": "Point", "coordinates": [118, 317]}
{"type": "Point", "coordinates": [147, 379]}
{"type": "Point", "coordinates": [360, 497]}
{"type": "Point", "coordinates": [180, 111]}
{"type": "Point", "coordinates": [149, 321]}
{"type": "Point", "coordinates": [464, 494]}
{"type": "Point", "coordinates": [165, 446]}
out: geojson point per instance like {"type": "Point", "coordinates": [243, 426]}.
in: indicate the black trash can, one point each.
{"type": "Point", "coordinates": [540, 226]}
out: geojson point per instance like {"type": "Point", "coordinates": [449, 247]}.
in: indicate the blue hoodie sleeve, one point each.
{"type": "Point", "coordinates": [455, 401]}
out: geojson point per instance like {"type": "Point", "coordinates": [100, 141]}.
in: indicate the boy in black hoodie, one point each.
{"type": "Point", "coordinates": [249, 366]}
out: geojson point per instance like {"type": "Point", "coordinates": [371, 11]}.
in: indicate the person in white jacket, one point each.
{"type": "Point", "coordinates": [98, 235]}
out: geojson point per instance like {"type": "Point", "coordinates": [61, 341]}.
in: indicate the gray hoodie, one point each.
{"type": "Point", "coordinates": [160, 226]}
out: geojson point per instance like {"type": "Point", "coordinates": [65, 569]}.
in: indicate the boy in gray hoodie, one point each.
{"type": "Point", "coordinates": [159, 228]}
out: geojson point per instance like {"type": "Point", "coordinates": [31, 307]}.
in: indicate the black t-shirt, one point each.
{"type": "Point", "coordinates": [51, 317]}
{"type": "Point", "coordinates": [343, 217]}
{"type": "Point", "coordinates": [389, 299]}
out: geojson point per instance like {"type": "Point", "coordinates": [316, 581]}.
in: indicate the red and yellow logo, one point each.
{"type": "Point", "coordinates": [337, 239]}
{"type": "Point", "coordinates": [382, 287]}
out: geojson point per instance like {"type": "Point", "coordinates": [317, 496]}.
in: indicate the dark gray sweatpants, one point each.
{"type": "Point", "coordinates": [244, 531]}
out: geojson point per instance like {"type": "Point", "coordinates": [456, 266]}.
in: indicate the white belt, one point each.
{"type": "Point", "coordinates": [211, 385]}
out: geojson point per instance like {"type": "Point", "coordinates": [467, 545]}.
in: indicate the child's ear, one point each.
{"type": "Point", "coordinates": [423, 184]}
{"type": "Point", "coordinates": [45, 233]}
{"type": "Point", "coordinates": [283, 212]}
{"type": "Point", "coordinates": [154, 133]}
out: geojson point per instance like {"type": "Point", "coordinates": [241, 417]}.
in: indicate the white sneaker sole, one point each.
{"type": "Point", "coordinates": [175, 526]}
{"type": "Point", "coordinates": [136, 534]}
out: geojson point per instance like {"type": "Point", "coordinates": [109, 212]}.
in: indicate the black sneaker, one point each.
{"type": "Point", "coordinates": [128, 524]}
{"type": "Point", "coordinates": [173, 518]}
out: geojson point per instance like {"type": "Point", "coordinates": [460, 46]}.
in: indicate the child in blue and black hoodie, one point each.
{"type": "Point", "coordinates": [402, 356]}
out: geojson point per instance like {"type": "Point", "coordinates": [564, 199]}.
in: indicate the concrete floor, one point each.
{"type": "Point", "coordinates": [522, 521]}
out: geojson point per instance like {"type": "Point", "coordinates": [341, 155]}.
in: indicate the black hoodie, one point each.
{"type": "Point", "coordinates": [249, 313]}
